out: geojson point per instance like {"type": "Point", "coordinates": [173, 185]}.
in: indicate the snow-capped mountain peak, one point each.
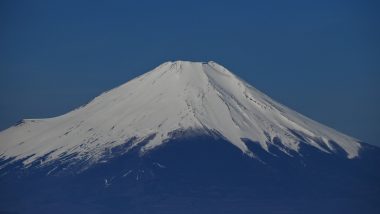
{"type": "Point", "coordinates": [176, 96]}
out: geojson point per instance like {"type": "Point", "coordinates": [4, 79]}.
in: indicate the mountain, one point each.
{"type": "Point", "coordinates": [186, 137]}
{"type": "Point", "coordinates": [202, 97]}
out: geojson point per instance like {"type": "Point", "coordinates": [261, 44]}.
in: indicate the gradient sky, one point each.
{"type": "Point", "coordinates": [321, 58]}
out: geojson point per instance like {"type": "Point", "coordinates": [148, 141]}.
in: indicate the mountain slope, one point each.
{"type": "Point", "coordinates": [199, 174]}
{"type": "Point", "coordinates": [202, 97]}
{"type": "Point", "coordinates": [185, 138]}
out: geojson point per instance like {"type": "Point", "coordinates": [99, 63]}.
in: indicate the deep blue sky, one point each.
{"type": "Point", "coordinates": [321, 58]}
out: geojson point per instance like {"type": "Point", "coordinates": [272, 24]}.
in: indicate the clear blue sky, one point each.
{"type": "Point", "coordinates": [321, 58]}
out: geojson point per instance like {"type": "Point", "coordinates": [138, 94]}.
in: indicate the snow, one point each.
{"type": "Point", "coordinates": [174, 96]}
{"type": "Point", "coordinates": [159, 165]}
{"type": "Point", "coordinates": [127, 173]}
